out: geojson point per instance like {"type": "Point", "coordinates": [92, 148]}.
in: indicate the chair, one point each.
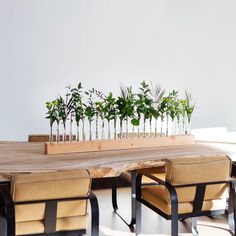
{"type": "Point", "coordinates": [48, 204]}
{"type": "Point", "coordinates": [192, 187]}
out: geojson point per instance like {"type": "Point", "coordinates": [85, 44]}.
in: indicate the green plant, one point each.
{"type": "Point", "coordinates": [148, 104]}
{"type": "Point", "coordinates": [78, 108]}
{"type": "Point", "coordinates": [110, 113]}
{"type": "Point", "coordinates": [125, 107]}
{"type": "Point", "coordinates": [100, 111]}
{"type": "Point", "coordinates": [90, 111]}
{"type": "Point", "coordinates": [189, 108]}
{"type": "Point", "coordinates": [52, 116]}
{"type": "Point", "coordinates": [63, 111]}
{"type": "Point", "coordinates": [183, 104]}
{"type": "Point", "coordinates": [69, 103]}
{"type": "Point", "coordinates": [163, 112]}
{"type": "Point", "coordinates": [156, 94]}
{"type": "Point", "coordinates": [144, 106]}
{"type": "Point", "coordinates": [178, 114]}
{"type": "Point", "coordinates": [56, 106]}
{"type": "Point", "coordinates": [173, 106]}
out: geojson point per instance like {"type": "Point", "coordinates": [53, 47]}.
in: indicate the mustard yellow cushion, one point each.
{"type": "Point", "coordinates": [32, 212]}
{"type": "Point", "coordinates": [71, 215]}
{"type": "Point", "coordinates": [197, 170]}
{"type": "Point", "coordinates": [62, 224]}
{"type": "Point", "coordinates": [41, 186]}
{"type": "Point", "coordinates": [184, 207]}
{"type": "Point", "coordinates": [158, 172]}
{"type": "Point", "coordinates": [186, 194]}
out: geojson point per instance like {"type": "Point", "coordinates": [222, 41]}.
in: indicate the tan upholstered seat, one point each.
{"type": "Point", "coordinates": [158, 172]}
{"type": "Point", "coordinates": [153, 196]}
{"type": "Point", "coordinates": [187, 171]}
{"type": "Point", "coordinates": [193, 187]}
{"type": "Point", "coordinates": [62, 224]}
{"type": "Point", "coordinates": [71, 215]}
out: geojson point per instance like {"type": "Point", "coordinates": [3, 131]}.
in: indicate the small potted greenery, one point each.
{"type": "Point", "coordinates": [110, 113]}
{"type": "Point", "coordinates": [173, 107]}
{"type": "Point", "coordinates": [52, 116]}
{"type": "Point", "coordinates": [163, 112]}
{"type": "Point", "coordinates": [78, 109]}
{"type": "Point", "coordinates": [189, 108]}
{"type": "Point", "coordinates": [156, 94]}
{"type": "Point", "coordinates": [100, 111]}
{"type": "Point", "coordinates": [144, 106]}
{"type": "Point", "coordinates": [56, 107]}
{"type": "Point", "coordinates": [148, 104]}
{"type": "Point", "coordinates": [125, 107]}
{"type": "Point", "coordinates": [90, 111]}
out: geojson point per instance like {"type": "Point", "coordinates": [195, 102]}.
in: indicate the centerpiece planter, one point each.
{"type": "Point", "coordinates": [97, 117]}
{"type": "Point", "coordinates": [117, 144]}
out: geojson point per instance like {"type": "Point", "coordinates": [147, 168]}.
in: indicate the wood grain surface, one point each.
{"type": "Point", "coordinates": [21, 157]}
{"type": "Point", "coordinates": [118, 144]}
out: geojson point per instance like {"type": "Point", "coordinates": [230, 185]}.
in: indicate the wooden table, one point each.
{"type": "Point", "coordinates": [21, 157]}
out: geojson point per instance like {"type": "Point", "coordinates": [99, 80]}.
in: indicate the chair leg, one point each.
{"type": "Point", "coordinates": [95, 214]}
{"type": "Point", "coordinates": [232, 209]}
{"type": "Point", "coordinates": [3, 221]}
{"type": "Point", "coordinates": [174, 214]}
{"type": "Point", "coordinates": [174, 227]}
{"type": "Point", "coordinates": [194, 226]}
{"type": "Point", "coordinates": [138, 218]}
{"type": "Point", "coordinates": [114, 194]}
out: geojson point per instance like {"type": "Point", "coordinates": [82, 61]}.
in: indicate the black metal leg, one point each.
{"type": "Point", "coordinates": [95, 214]}
{"type": "Point", "coordinates": [133, 200]}
{"type": "Point", "coordinates": [138, 218]}
{"type": "Point", "coordinates": [194, 226]}
{"type": "Point", "coordinates": [133, 197]}
{"type": "Point", "coordinates": [138, 212]}
{"type": "Point", "coordinates": [174, 213]}
{"type": "Point", "coordinates": [114, 194]}
{"type": "Point", "coordinates": [3, 221]}
{"type": "Point", "coordinates": [174, 227]}
{"type": "Point", "coordinates": [232, 209]}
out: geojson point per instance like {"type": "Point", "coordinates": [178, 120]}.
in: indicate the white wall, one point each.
{"type": "Point", "coordinates": [184, 44]}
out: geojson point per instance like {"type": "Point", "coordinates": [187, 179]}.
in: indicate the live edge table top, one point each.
{"type": "Point", "coordinates": [21, 157]}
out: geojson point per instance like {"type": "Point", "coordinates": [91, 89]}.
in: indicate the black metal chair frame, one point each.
{"type": "Point", "coordinates": [130, 223]}
{"type": "Point", "coordinates": [8, 214]}
{"type": "Point", "coordinates": [197, 204]}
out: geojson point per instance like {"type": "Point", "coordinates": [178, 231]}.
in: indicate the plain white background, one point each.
{"type": "Point", "coordinates": [181, 44]}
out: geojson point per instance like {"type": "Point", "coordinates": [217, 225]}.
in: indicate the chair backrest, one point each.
{"type": "Point", "coordinates": [201, 169]}
{"type": "Point", "coordinates": [52, 185]}
{"type": "Point", "coordinates": [49, 186]}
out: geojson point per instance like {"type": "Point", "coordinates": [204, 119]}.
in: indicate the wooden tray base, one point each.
{"type": "Point", "coordinates": [118, 144]}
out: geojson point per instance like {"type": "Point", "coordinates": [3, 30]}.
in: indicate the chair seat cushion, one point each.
{"type": "Point", "coordinates": [146, 180]}
{"type": "Point", "coordinates": [158, 172]}
{"type": "Point", "coordinates": [152, 195]}
{"type": "Point", "coordinates": [185, 194]}
{"type": "Point", "coordinates": [62, 224]}
{"type": "Point", "coordinates": [33, 212]}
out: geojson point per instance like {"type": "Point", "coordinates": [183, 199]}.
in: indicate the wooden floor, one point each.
{"type": "Point", "coordinates": [112, 225]}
